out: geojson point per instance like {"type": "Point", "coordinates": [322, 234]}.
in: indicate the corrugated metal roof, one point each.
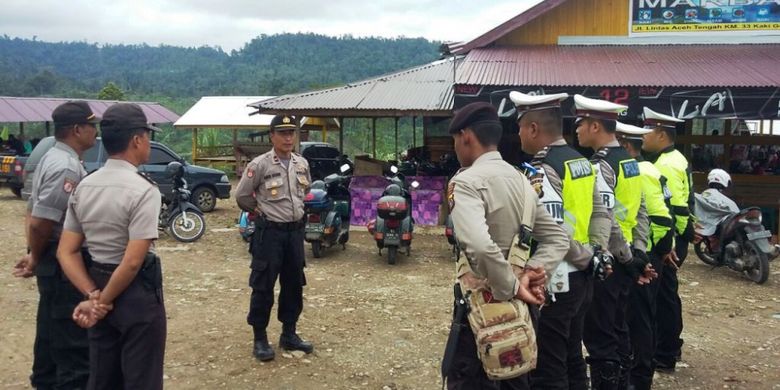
{"type": "Point", "coordinates": [224, 111]}
{"type": "Point", "coordinates": [613, 66]}
{"type": "Point", "coordinates": [25, 109]}
{"type": "Point", "coordinates": [423, 90]}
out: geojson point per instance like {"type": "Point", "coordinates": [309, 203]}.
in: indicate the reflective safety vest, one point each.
{"type": "Point", "coordinates": [673, 165]}
{"type": "Point", "coordinates": [572, 205]}
{"type": "Point", "coordinates": [656, 195]}
{"type": "Point", "coordinates": [624, 200]}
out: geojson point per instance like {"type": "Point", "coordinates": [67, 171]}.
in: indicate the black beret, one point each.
{"type": "Point", "coordinates": [474, 113]}
{"type": "Point", "coordinates": [73, 113]}
{"type": "Point", "coordinates": [282, 123]}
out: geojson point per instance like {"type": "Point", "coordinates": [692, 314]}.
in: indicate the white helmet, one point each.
{"type": "Point", "coordinates": [719, 176]}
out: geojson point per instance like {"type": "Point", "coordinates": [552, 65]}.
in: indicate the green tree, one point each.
{"type": "Point", "coordinates": [111, 92]}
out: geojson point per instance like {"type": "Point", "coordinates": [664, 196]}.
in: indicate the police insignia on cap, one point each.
{"type": "Point", "coordinates": [286, 120]}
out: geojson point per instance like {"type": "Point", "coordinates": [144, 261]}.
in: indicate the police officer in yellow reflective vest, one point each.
{"type": "Point", "coordinates": [568, 191]}
{"type": "Point", "coordinates": [606, 333]}
{"type": "Point", "coordinates": [660, 244]}
{"type": "Point", "coordinates": [672, 164]}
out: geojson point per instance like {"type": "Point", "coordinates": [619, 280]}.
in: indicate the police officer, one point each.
{"type": "Point", "coordinates": [568, 192]}
{"type": "Point", "coordinates": [660, 144]}
{"type": "Point", "coordinates": [115, 211]}
{"type": "Point", "coordinates": [641, 316]}
{"type": "Point", "coordinates": [487, 202]}
{"type": "Point", "coordinates": [606, 333]}
{"type": "Point", "coordinates": [273, 187]}
{"type": "Point", "coordinates": [61, 352]}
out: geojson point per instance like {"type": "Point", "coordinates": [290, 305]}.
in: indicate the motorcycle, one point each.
{"type": "Point", "coordinates": [740, 243]}
{"type": "Point", "coordinates": [327, 207]}
{"type": "Point", "coordinates": [393, 226]}
{"type": "Point", "coordinates": [178, 217]}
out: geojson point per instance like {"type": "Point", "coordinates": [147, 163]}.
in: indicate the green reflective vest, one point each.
{"type": "Point", "coordinates": [625, 199]}
{"type": "Point", "coordinates": [673, 165]}
{"type": "Point", "coordinates": [572, 205]}
{"type": "Point", "coordinates": [655, 194]}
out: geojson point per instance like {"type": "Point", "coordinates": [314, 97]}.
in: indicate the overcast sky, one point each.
{"type": "Point", "coordinates": [231, 23]}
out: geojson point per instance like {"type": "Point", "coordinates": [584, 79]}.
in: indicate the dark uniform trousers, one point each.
{"type": "Point", "coordinates": [606, 334]}
{"type": "Point", "coordinates": [467, 372]}
{"type": "Point", "coordinates": [560, 364]}
{"type": "Point", "coordinates": [669, 307]}
{"type": "Point", "coordinates": [278, 252]}
{"type": "Point", "coordinates": [127, 348]}
{"type": "Point", "coordinates": [61, 350]}
{"type": "Point", "coordinates": [642, 325]}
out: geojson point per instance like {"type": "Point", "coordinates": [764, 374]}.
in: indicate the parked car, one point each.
{"type": "Point", "coordinates": [323, 158]}
{"type": "Point", "coordinates": [207, 184]}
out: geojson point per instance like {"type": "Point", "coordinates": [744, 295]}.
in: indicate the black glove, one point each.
{"type": "Point", "coordinates": [664, 245]}
{"type": "Point", "coordinates": [600, 263]}
{"type": "Point", "coordinates": [689, 234]}
{"type": "Point", "coordinates": [636, 267]}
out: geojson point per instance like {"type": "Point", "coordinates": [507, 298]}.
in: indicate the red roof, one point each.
{"type": "Point", "coordinates": [613, 66]}
{"type": "Point", "coordinates": [25, 109]}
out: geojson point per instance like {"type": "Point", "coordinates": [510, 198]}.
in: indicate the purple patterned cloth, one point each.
{"type": "Point", "coordinates": [366, 190]}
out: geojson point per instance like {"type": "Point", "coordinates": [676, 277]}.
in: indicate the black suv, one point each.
{"type": "Point", "coordinates": [206, 184]}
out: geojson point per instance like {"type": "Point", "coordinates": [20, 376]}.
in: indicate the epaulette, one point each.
{"type": "Point", "coordinates": [539, 157]}
{"type": "Point", "coordinates": [599, 155]}
{"type": "Point", "coordinates": [147, 178]}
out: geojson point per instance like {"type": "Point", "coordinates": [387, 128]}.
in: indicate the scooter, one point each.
{"type": "Point", "coordinates": [394, 224]}
{"type": "Point", "coordinates": [179, 217]}
{"type": "Point", "coordinates": [740, 243]}
{"type": "Point", "coordinates": [327, 207]}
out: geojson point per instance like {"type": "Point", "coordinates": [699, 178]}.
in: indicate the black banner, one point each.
{"type": "Point", "coordinates": [683, 103]}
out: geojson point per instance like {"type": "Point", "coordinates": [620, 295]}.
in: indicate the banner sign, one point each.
{"type": "Point", "coordinates": [683, 103]}
{"type": "Point", "coordinates": [664, 17]}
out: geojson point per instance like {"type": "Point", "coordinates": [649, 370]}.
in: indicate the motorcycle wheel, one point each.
{"type": "Point", "coordinates": [760, 272]}
{"type": "Point", "coordinates": [187, 226]}
{"type": "Point", "coordinates": [392, 253]}
{"type": "Point", "coordinates": [705, 254]}
{"type": "Point", "coordinates": [316, 249]}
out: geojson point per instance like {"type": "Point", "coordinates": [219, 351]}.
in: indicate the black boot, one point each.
{"type": "Point", "coordinates": [262, 350]}
{"type": "Point", "coordinates": [604, 375]}
{"type": "Point", "coordinates": [291, 342]}
{"type": "Point", "coordinates": [624, 377]}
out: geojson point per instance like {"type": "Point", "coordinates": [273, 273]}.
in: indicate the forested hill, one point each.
{"type": "Point", "coordinates": [268, 65]}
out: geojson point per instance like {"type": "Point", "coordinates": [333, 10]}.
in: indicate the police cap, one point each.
{"type": "Point", "coordinates": [525, 102]}
{"type": "Point", "coordinates": [125, 117]}
{"type": "Point", "coordinates": [73, 113]}
{"type": "Point", "coordinates": [597, 109]}
{"type": "Point", "coordinates": [478, 113]}
{"type": "Point", "coordinates": [283, 123]}
{"type": "Point", "coordinates": [656, 119]}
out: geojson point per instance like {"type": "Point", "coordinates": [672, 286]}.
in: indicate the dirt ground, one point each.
{"type": "Point", "coordinates": [374, 326]}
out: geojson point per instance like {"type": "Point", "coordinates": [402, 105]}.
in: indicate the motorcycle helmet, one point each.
{"type": "Point", "coordinates": [393, 190]}
{"type": "Point", "coordinates": [174, 169]}
{"type": "Point", "coordinates": [718, 177]}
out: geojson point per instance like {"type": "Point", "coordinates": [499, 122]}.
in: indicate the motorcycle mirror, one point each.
{"type": "Point", "coordinates": [415, 184]}
{"type": "Point", "coordinates": [344, 168]}
{"type": "Point", "coordinates": [394, 169]}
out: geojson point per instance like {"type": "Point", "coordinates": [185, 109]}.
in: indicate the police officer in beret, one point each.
{"type": "Point", "coordinates": [61, 354]}
{"type": "Point", "coordinates": [115, 212]}
{"type": "Point", "coordinates": [273, 187]}
{"type": "Point", "coordinates": [487, 202]}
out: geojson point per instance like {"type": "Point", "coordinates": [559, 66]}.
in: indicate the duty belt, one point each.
{"type": "Point", "coordinates": [104, 268]}
{"type": "Point", "coordinates": [286, 226]}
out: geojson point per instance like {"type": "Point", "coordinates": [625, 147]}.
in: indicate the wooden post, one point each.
{"type": "Point", "coordinates": [325, 130]}
{"type": "Point", "coordinates": [194, 144]}
{"type": "Point", "coordinates": [235, 135]}
{"type": "Point", "coordinates": [48, 128]}
{"type": "Point", "coordinates": [396, 139]}
{"type": "Point", "coordinates": [373, 137]}
{"type": "Point", "coordinates": [414, 131]}
{"type": "Point", "coordinates": [341, 134]}
{"type": "Point", "coordinates": [21, 128]}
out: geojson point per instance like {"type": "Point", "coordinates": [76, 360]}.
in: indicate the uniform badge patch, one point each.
{"type": "Point", "coordinates": [250, 173]}
{"type": "Point", "coordinates": [451, 195]}
{"type": "Point", "coordinates": [68, 186]}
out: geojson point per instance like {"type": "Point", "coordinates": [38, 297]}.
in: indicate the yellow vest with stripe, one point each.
{"type": "Point", "coordinates": [673, 165]}
{"type": "Point", "coordinates": [627, 191]}
{"type": "Point", "coordinates": [656, 194]}
{"type": "Point", "coordinates": [573, 206]}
